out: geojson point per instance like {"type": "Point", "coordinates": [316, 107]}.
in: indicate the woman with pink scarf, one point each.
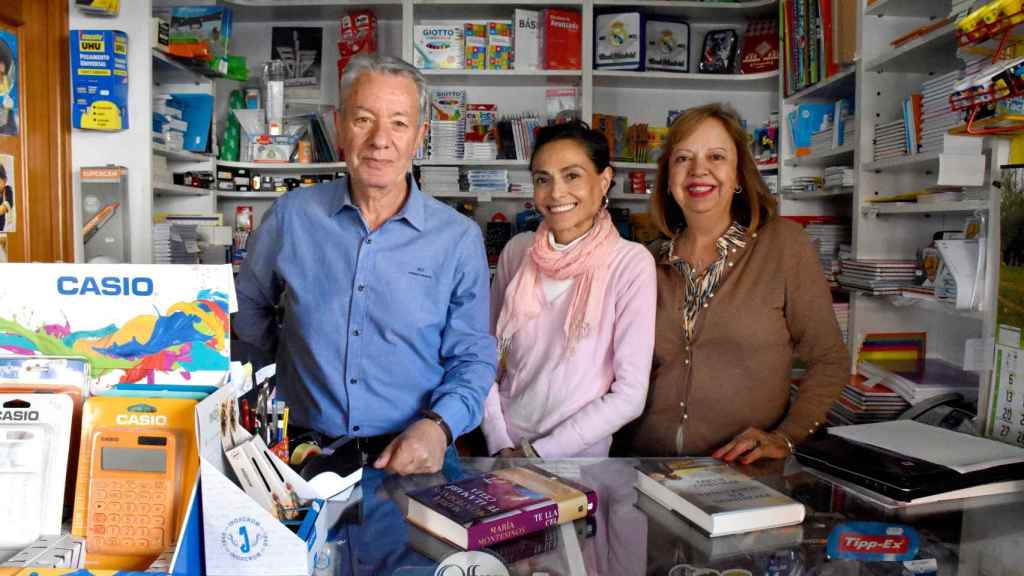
{"type": "Point", "coordinates": [573, 308]}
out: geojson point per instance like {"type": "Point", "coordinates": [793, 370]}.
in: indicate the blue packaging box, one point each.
{"type": "Point", "coordinates": [99, 79]}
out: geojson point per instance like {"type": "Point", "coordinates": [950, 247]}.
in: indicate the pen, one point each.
{"type": "Point", "coordinates": [284, 425]}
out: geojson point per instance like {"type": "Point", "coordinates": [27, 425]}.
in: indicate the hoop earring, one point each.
{"type": "Point", "coordinates": [738, 190]}
{"type": "Point", "coordinates": [604, 202]}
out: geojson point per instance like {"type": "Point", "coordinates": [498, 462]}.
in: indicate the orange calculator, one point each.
{"type": "Point", "coordinates": [132, 492]}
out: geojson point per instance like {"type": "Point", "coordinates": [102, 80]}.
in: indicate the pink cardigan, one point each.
{"type": "Point", "coordinates": [571, 405]}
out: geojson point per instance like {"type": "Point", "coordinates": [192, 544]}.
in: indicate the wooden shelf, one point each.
{"type": "Point", "coordinates": [934, 52]}
{"type": "Point", "coordinates": [882, 208]}
{"type": "Point", "coordinates": [630, 79]}
{"type": "Point", "coordinates": [923, 162]}
{"type": "Point", "coordinates": [842, 84]}
{"type": "Point", "coordinates": [289, 167]}
{"type": "Point", "coordinates": [835, 156]}
{"type": "Point", "coordinates": [701, 11]}
{"type": "Point", "coordinates": [908, 8]}
{"type": "Point", "coordinates": [166, 189]}
{"type": "Point", "coordinates": [180, 155]}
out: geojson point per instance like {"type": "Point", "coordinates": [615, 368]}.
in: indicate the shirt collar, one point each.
{"type": "Point", "coordinates": [413, 211]}
{"type": "Point", "coordinates": [735, 238]}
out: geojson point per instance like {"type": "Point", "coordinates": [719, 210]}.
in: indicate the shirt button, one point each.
{"type": "Point", "coordinates": [355, 332]}
{"type": "Point", "coordinates": [730, 264]}
{"type": "Point", "coordinates": [355, 428]}
{"type": "Point", "coordinates": [682, 404]}
{"type": "Point", "coordinates": [361, 287]}
{"type": "Point", "coordinates": [369, 240]}
{"type": "Point", "coordinates": [353, 381]}
{"type": "Point", "coordinates": [687, 361]}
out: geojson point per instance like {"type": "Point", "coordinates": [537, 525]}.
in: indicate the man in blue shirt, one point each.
{"type": "Point", "coordinates": [384, 290]}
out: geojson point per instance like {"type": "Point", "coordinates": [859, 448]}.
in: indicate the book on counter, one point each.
{"type": "Point", "coordinates": [716, 497]}
{"type": "Point", "coordinates": [666, 526]}
{"type": "Point", "coordinates": [481, 511]}
{"type": "Point", "coordinates": [510, 551]}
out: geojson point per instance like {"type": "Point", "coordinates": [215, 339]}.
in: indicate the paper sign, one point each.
{"type": "Point", "coordinates": [979, 354]}
{"type": "Point", "coordinates": [134, 324]}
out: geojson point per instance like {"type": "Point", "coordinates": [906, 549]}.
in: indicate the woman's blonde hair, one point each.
{"type": "Point", "coordinates": [752, 208]}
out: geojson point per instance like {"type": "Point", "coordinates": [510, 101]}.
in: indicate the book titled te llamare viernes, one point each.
{"type": "Point", "coordinates": [716, 497]}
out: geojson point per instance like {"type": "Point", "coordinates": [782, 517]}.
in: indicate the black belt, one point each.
{"type": "Point", "coordinates": [370, 446]}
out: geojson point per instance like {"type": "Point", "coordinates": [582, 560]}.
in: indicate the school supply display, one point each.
{"type": "Point", "coordinates": [438, 46]}
{"type": "Point", "coordinates": [35, 436]}
{"type": "Point", "coordinates": [481, 511]}
{"type": "Point", "coordinates": [169, 324]}
{"type": "Point", "coordinates": [760, 47]}
{"type": "Point", "coordinates": [716, 497]}
{"type": "Point", "coordinates": [619, 41]}
{"type": "Point", "coordinates": [667, 45]}
{"type": "Point", "coordinates": [64, 551]}
{"type": "Point", "coordinates": [718, 55]}
{"type": "Point", "coordinates": [136, 469]}
{"type": "Point", "coordinates": [357, 35]}
{"type": "Point", "coordinates": [99, 80]}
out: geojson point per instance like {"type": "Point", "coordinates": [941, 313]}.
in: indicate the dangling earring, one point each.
{"type": "Point", "coordinates": [738, 190]}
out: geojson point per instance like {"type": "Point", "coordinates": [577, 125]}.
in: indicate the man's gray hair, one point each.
{"type": "Point", "coordinates": [385, 65]}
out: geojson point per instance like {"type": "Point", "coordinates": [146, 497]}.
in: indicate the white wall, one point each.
{"type": "Point", "coordinates": [130, 148]}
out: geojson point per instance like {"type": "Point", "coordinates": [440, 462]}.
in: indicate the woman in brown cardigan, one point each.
{"type": "Point", "coordinates": [739, 289]}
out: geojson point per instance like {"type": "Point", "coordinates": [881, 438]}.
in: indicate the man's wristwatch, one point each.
{"type": "Point", "coordinates": [436, 418]}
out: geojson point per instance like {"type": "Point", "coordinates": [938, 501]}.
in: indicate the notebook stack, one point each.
{"type": "Point", "coordinates": [487, 181]}
{"type": "Point", "coordinates": [842, 312]}
{"type": "Point", "coordinates": [936, 116]}
{"type": "Point", "coordinates": [937, 377]}
{"type": "Point", "coordinates": [865, 400]}
{"type": "Point", "coordinates": [175, 244]}
{"type": "Point", "coordinates": [827, 238]}
{"type": "Point", "coordinates": [877, 277]}
{"type": "Point", "coordinates": [520, 182]}
{"type": "Point", "coordinates": [822, 141]}
{"type": "Point", "coordinates": [890, 140]}
{"type": "Point", "coordinates": [803, 185]}
{"type": "Point", "coordinates": [439, 180]}
{"type": "Point", "coordinates": [838, 178]}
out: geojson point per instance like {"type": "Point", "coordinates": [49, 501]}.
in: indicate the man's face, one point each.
{"type": "Point", "coordinates": [380, 130]}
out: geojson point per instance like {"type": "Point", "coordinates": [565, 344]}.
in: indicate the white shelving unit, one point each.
{"type": "Point", "coordinates": [964, 206]}
{"type": "Point", "coordinates": [166, 189]}
{"type": "Point", "coordinates": [642, 96]}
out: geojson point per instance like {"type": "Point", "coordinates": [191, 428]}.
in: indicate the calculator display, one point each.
{"type": "Point", "coordinates": [133, 459]}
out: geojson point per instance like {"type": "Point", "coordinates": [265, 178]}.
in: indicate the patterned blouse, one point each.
{"type": "Point", "coordinates": [700, 288]}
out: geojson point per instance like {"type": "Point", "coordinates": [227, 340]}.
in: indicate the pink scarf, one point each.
{"type": "Point", "coordinates": [587, 262]}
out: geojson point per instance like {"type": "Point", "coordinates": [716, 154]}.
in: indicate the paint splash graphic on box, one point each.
{"type": "Point", "coordinates": [185, 338]}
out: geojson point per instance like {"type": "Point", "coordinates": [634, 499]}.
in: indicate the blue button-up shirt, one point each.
{"type": "Point", "coordinates": [377, 325]}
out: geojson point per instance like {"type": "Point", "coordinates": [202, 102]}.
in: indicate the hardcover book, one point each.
{"type": "Point", "coordinates": [716, 497]}
{"type": "Point", "coordinates": [481, 511]}
{"type": "Point", "coordinates": [562, 39]}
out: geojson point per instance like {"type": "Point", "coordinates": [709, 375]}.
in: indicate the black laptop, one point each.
{"type": "Point", "coordinates": [893, 475]}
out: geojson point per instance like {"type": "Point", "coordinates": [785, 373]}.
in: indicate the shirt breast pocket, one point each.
{"type": "Point", "coordinates": [420, 297]}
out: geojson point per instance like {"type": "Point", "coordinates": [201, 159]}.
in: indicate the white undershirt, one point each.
{"type": "Point", "coordinates": [554, 288]}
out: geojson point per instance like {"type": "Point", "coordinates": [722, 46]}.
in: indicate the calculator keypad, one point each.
{"type": "Point", "coordinates": [125, 519]}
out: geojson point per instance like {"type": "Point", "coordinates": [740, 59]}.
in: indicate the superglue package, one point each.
{"type": "Point", "coordinates": [35, 435]}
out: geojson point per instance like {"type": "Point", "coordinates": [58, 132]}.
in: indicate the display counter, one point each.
{"type": "Point", "coordinates": [631, 534]}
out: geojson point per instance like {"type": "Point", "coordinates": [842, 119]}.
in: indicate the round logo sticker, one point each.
{"type": "Point", "coordinates": [244, 539]}
{"type": "Point", "coordinates": [471, 564]}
